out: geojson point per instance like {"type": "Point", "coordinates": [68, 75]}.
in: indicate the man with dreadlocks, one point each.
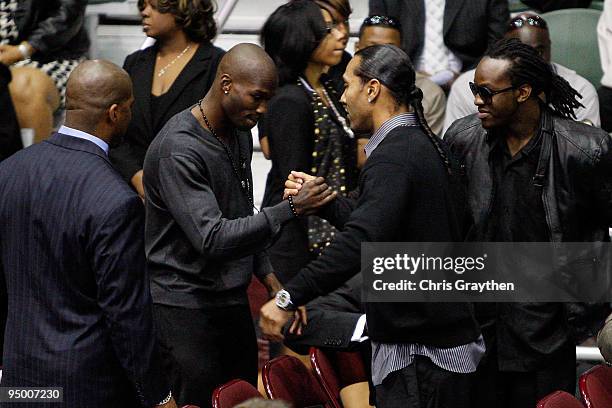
{"type": "Point", "coordinates": [534, 175]}
{"type": "Point", "coordinates": [422, 353]}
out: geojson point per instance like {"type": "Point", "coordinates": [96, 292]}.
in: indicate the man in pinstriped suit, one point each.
{"type": "Point", "coordinates": [71, 249]}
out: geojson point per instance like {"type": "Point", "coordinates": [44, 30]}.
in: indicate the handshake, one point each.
{"type": "Point", "coordinates": [309, 193]}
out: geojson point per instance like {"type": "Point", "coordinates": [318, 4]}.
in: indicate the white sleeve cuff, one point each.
{"type": "Point", "coordinates": [359, 329]}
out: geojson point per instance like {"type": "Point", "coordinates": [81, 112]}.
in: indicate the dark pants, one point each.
{"type": "Point", "coordinates": [508, 389]}
{"type": "Point", "coordinates": [425, 385]}
{"type": "Point", "coordinates": [605, 107]}
{"type": "Point", "coordinates": [203, 349]}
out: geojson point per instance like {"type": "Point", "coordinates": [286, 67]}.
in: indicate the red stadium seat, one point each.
{"type": "Point", "coordinates": [336, 370]}
{"type": "Point", "coordinates": [596, 387]}
{"type": "Point", "coordinates": [559, 399]}
{"type": "Point", "coordinates": [233, 393]}
{"type": "Point", "coordinates": [288, 379]}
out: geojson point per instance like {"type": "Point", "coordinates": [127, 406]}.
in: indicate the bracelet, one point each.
{"type": "Point", "coordinates": [290, 199]}
{"type": "Point", "coordinates": [23, 49]}
{"type": "Point", "coordinates": [166, 400]}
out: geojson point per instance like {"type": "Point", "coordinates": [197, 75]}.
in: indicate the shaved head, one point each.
{"type": "Point", "coordinates": [95, 85]}
{"type": "Point", "coordinates": [246, 80]}
{"type": "Point", "coordinates": [247, 62]}
{"type": "Point", "coordinates": [98, 99]}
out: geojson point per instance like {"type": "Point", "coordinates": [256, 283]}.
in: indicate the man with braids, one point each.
{"type": "Point", "coordinates": [423, 353]}
{"type": "Point", "coordinates": [534, 175]}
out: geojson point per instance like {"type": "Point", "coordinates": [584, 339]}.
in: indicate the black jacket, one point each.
{"type": "Point", "coordinates": [576, 178]}
{"type": "Point", "coordinates": [53, 27]}
{"type": "Point", "coordinates": [405, 196]}
{"type": "Point", "coordinates": [470, 26]}
{"type": "Point", "coordinates": [189, 87]}
{"type": "Point", "coordinates": [575, 174]}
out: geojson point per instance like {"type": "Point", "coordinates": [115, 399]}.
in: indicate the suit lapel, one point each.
{"type": "Point", "coordinates": [451, 9]}
{"type": "Point", "coordinates": [75, 143]}
{"type": "Point", "coordinates": [144, 83]}
{"type": "Point", "coordinates": [194, 67]}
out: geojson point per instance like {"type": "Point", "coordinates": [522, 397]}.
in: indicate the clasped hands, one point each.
{"type": "Point", "coordinates": [309, 195]}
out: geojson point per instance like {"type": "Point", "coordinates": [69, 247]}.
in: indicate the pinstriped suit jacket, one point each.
{"type": "Point", "coordinates": [71, 249]}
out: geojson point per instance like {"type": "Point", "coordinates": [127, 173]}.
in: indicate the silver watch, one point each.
{"type": "Point", "coordinates": [283, 300]}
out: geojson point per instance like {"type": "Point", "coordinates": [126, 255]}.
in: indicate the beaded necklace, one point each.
{"type": "Point", "coordinates": [245, 185]}
{"type": "Point", "coordinates": [319, 102]}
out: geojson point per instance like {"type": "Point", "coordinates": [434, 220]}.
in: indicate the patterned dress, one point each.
{"type": "Point", "coordinates": [58, 70]}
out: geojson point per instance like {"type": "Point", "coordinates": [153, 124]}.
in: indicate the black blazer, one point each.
{"type": "Point", "coordinates": [191, 85]}
{"type": "Point", "coordinates": [470, 26]}
{"type": "Point", "coordinates": [72, 252]}
{"type": "Point", "coordinates": [56, 28]}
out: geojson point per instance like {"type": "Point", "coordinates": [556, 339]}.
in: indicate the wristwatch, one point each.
{"type": "Point", "coordinates": [283, 300]}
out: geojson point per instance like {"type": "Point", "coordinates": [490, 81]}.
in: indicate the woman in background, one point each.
{"type": "Point", "coordinates": [169, 76]}
{"type": "Point", "coordinates": [305, 124]}
{"type": "Point", "coordinates": [42, 42]}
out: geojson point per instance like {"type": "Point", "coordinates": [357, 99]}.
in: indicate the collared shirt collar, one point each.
{"type": "Point", "coordinates": [83, 135]}
{"type": "Point", "coordinates": [403, 119]}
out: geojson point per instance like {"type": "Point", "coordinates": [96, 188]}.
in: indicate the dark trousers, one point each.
{"type": "Point", "coordinates": [203, 349]}
{"type": "Point", "coordinates": [425, 385]}
{"type": "Point", "coordinates": [605, 107]}
{"type": "Point", "coordinates": [508, 389]}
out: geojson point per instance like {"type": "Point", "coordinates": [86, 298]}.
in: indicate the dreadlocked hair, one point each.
{"type": "Point", "coordinates": [392, 67]}
{"type": "Point", "coordinates": [528, 67]}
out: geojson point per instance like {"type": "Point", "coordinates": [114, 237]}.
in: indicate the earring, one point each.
{"type": "Point", "coordinates": [369, 100]}
{"type": "Point", "coordinates": [226, 92]}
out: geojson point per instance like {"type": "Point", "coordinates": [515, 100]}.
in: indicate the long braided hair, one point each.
{"type": "Point", "coordinates": [528, 67]}
{"type": "Point", "coordinates": [392, 67]}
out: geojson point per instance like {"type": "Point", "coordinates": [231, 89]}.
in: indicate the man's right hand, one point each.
{"type": "Point", "coordinates": [294, 182]}
{"type": "Point", "coordinates": [313, 195]}
{"type": "Point", "coordinates": [138, 184]}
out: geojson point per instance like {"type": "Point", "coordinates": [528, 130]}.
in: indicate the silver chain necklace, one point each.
{"type": "Point", "coordinates": [163, 71]}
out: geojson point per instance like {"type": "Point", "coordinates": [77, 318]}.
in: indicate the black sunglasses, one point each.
{"type": "Point", "coordinates": [520, 21]}
{"type": "Point", "coordinates": [485, 93]}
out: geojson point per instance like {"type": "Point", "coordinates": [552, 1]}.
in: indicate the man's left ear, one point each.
{"type": "Point", "coordinates": [226, 83]}
{"type": "Point", "coordinates": [373, 89]}
{"type": "Point", "coordinates": [113, 112]}
{"type": "Point", "coordinates": [525, 92]}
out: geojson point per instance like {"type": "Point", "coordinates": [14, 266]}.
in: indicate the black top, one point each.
{"type": "Point", "coordinates": [305, 136]}
{"type": "Point", "coordinates": [190, 86]}
{"type": "Point", "coordinates": [524, 334]}
{"type": "Point", "coordinates": [517, 214]}
{"type": "Point", "coordinates": [406, 195]}
{"type": "Point", "coordinates": [203, 241]}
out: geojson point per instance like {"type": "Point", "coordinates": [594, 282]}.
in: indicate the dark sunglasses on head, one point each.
{"type": "Point", "coordinates": [520, 21]}
{"type": "Point", "coordinates": [485, 93]}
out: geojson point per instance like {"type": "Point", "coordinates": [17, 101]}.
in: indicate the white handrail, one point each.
{"type": "Point", "coordinates": [223, 13]}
